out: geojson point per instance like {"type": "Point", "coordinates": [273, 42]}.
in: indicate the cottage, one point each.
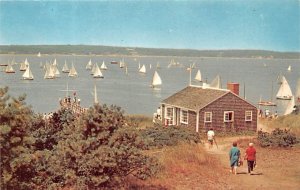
{"type": "Point", "coordinates": [202, 108]}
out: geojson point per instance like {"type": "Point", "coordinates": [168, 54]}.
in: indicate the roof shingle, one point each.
{"type": "Point", "coordinates": [194, 98]}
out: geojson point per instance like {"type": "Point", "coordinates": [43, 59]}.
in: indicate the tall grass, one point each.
{"type": "Point", "coordinates": [140, 121]}
{"type": "Point", "coordinates": [291, 122]}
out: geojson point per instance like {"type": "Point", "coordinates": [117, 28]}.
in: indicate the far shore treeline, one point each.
{"type": "Point", "coordinates": [138, 51]}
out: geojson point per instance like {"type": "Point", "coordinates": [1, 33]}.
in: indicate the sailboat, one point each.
{"type": "Point", "coordinates": [216, 82]}
{"type": "Point", "coordinates": [143, 69]}
{"type": "Point", "coordinates": [97, 73]}
{"type": "Point", "coordinates": [9, 69]}
{"type": "Point", "coordinates": [54, 62]}
{"type": "Point", "coordinates": [122, 63]}
{"type": "Point", "coordinates": [267, 103]}
{"type": "Point", "coordinates": [55, 70]}
{"type": "Point", "coordinates": [49, 74]}
{"type": "Point", "coordinates": [198, 76]}
{"type": "Point", "coordinates": [28, 74]}
{"type": "Point", "coordinates": [93, 69]}
{"type": "Point", "coordinates": [289, 68]}
{"type": "Point", "coordinates": [157, 65]}
{"type": "Point", "coordinates": [156, 80]}
{"type": "Point", "coordinates": [73, 72]}
{"type": "Point", "coordinates": [284, 92]}
{"type": "Point", "coordinates": [89, 65]}
{"type": "Point", "coordinates": [103, 66]}
{"type": "Point", "coordinates": [150, 66]}
{"type": "Point", "coordinates": [290, 107]}
{"type": "Point", "coordinates": [65, 68]}
{"type": "Point", "coordinates": [24, 65]}
{"type": "Point", "coordinates": [39, 54]}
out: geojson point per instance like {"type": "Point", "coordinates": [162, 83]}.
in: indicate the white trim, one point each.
{"type": "Point", "coordinates": [210, 117]}
{"type": "Point", "coordinates": [232, 119]}
{"type": "Point", "coordinates": [250, 115]}
{"type": "Point", "coordinates": [181, 116]}
{"type": "Point", "coordinates": [167, 117]}
{"type": "Point", "coordinates": [176, 106]}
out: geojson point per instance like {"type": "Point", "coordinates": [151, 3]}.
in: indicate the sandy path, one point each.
{"type": "Point", "coordinates": [258, 180]}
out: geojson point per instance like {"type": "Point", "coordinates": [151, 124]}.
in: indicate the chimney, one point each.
{"type": "Point", "coordinates": [233, 87]}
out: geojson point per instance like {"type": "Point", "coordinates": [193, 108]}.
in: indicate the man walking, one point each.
{"type": "Point", "coordinates": [210, 138]}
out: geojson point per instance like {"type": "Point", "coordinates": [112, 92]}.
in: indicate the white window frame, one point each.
{"type": "Point", "coordinates": [182, 116]}
{"type": "Point", "coordinates": [206, 121]}
{"type": "Point", "coordinates": [232, 118]}
{"type": "Point", "coordinates": [248, 114]}
{"type": "Point", "coordinates": [169, 118]}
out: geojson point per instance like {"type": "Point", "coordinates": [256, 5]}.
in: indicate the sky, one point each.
{"type": "Point", "coordinates": [203, 24]}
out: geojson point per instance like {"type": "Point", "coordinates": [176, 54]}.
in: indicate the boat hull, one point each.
{"type": "Point", "coordinates": [284, 97]}
{"type": "Point", "coordinates": [266, 103]}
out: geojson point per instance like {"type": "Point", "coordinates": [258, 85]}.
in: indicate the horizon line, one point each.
{"type": "Point", "coordinates": [120, 46]}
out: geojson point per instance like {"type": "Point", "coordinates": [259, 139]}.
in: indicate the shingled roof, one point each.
{"type": "Point", "coordinates": [194, 98]}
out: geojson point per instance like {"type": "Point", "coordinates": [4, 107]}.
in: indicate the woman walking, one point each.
{"type": "Point", "coordinates": [250, 156]}
{"type": "Point", "coordinates": [234, 156]}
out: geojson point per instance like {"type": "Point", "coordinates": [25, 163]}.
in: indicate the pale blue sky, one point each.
{"type": "Point", "coordinates": [205, 24]}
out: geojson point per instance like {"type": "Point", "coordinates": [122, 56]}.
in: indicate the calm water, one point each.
{"type": "Point", "coordinates": [132, 91]}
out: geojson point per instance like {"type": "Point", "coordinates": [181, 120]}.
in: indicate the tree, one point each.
{"type": "Point", "coordinates": [96, 151]}
{"type": "Point", "coordinates": [15, 142]}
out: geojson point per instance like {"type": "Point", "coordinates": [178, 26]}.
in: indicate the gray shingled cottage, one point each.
{"type": "Point", "coordinates": [203, 108]}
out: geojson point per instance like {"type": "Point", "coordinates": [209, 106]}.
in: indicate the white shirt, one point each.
{"type": "Point", "coordinates": [210, 135]}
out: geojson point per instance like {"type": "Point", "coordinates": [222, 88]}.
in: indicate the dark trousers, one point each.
{"type": "Point", "coordinates": [250, 165]}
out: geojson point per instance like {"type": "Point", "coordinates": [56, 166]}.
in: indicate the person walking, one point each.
{"type": "Point", "coordinates": [234, 157]}
{"type": "Point", "coordinates": [210, 138]}
{"type": "Point", "coordinates": [250, 156]}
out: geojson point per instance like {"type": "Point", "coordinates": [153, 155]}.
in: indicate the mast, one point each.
{"type": "Point", "coordinates": [95, 95]}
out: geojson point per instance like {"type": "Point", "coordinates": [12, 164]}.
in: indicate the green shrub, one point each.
{"type": "Point", "coordinates": [160, 136]}
{"type": "Point", "coordinates": [277, 138]}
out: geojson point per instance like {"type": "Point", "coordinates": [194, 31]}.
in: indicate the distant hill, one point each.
{"type": "Point", "coordinates": [137, 51]}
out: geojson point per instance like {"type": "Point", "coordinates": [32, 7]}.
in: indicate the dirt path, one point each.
{"type": "Point", "coordinates": [265, 176]}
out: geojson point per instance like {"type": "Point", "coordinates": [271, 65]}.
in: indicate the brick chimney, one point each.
{"type": "Point", "coordinates": [234, 87]}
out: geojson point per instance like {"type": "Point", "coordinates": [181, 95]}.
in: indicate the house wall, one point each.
{"type": "Point", "coordinates": [229, 102]}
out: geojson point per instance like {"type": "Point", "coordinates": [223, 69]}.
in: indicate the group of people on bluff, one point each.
{"type": "Point", "coordinates": [235, 154]}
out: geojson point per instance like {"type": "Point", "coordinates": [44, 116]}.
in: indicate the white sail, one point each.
{"type": "Point", "coordinates": [9, 69]}
{"type": "Point", "coordinates": [103, 66]}
{"type": "Point", "coordinates": [126, 70]}
{"type": "Point", "coordinates": [122, 63]}
{"type": "Point", "coordinates": [290, 107]}
{"type": "Point", "coordinates": [73, 72]}
{"type": "Point", "coordinates": [56, 71]}
{"type": "Point", "coordinates": [49, 74]}
{"type": "Point", "coordinates": [198, 76]}
{"type": "Point", "coordinates": [93, 69]}
{"type": "Point", "coordinates": [24, 65]}
{"type": "Point", "coordinates": [156, 79]}
{"type": "Point", "coordinates": [54, 62]}
{"type": "Point", "coordinates": [150, 66]}
{"type": "Point", "coordinates": [284, 91]}
{"type": "Point", "coordinates": [216, 83]}
{"type": "Point", "coordinates": [97, 73]}
{"type": "Point", "coordinates": [39, 54]}
{"type": "Point", "coordinates": [289, 68]}
{"type": "Point", "coordinates": [65, 68]}
{"type": "Point", "coordinates": [143, 69]}
{"type": "Point", "coordinates": [139, 65]}
{"type": "Point", "coordinates": [28, 74]}
{"type": "Point", "coordinates": [89, 65]}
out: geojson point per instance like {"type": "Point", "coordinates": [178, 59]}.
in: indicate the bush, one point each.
{"type": "Point", "coordinates": [277, 138]}
{"type": "Point", "coordinates": [96, 151]}
{"type": "Point", "coordinates": [160, 136]}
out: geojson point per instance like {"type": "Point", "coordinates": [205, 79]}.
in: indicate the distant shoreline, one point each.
{"type": "Point", "coordinates": [89, 50]}
{"type": "Point", "coordinates": [139, 56]}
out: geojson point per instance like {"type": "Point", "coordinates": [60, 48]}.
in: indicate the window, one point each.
{"type": "Point", "coordinates": [248, 115]}
{"type": "Point", "coordinates": [184, 116]}
{"type": "Point", "coordinates": [169, 115]}
{"type": "Point", "coordinates": [207, 117]}
{"type": "Point", "coordinates": [228, 116]}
